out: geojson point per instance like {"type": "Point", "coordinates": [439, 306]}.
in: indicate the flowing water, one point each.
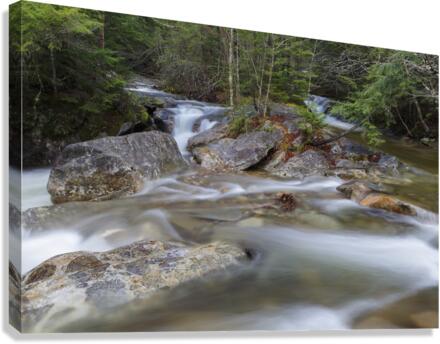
{"type": "Point", "coordinates": [320, 267]}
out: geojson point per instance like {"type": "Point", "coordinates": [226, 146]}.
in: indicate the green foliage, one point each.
{"type": "Point", "coordinates": [73, 78]}
{"type": "Point", "coordinates": [397, 86]}
{"type": "Point", "coordinates": [240, 122]}
{"type": "Point", "coordinates": [311, 121]}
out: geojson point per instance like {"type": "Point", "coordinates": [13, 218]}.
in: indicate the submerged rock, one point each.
{"type": "Point", "coordinates": [419, 310]}
{"type": "Point", "coordinates": [68, 286]}
{"type": "Point", "coordinates": [111, 167]}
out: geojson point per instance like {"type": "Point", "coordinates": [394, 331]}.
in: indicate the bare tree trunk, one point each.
{"type": "Point", "coordinates": [403, 122]}
{"type": "Point", "coordinates": [310, 67]}
{"type": "Point", "coordinates": [269, 81]}
{"type": "Point", "coordinates": [416, 102]}
{"type": "Point", "coordinates": [419, 113]}
{"type": "Point", "coordinates": [231, 67]}
{"type": "Point", "coordinates": [237, 69]}
{"type": "Point", "coordinates": [261, 79]}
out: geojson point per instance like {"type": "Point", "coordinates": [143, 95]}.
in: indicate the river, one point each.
{"type": "Point", "coordinates": [330, 263]}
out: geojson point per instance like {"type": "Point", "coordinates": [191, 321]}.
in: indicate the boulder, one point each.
{"type": "Point", "coordinates": [305, 164]}
{"type": "Point", "coordinates": [69, 286]}
{"type": "Point", "coordinates": [239, 154]}
{"type": "Point", "coordinates": [387, 202]}
{"type": "Point", "coordinates": [216, 133]}
{"type": "Point", "coordinates": [112, 167]}
{"type": "Point", "coordinates": [375, 196]}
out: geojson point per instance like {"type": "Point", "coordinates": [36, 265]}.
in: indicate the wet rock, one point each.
{"type": "Point", "coordinates": [387, 202]}
{"type": "Point", "coordinates": [14, 297]}
{"type": "Point", "coordinates": [415, 311]}
{"type": "Point", "coordinates": [93, 283]}
{"type": "Point", "coordinates": [216, 133]}
{"type": "Point", "coordinates": [357, 190]}
{"type": "Point", "coordinates": [41, 273]}
{"type": "Point", "coordinates": [305, 164]}
{"type": "Point", "coordinates": [389, 163]}
{"type": "Point", "coordinates": [375, 196]}
{"type": "Point", "coordinates": [112, 167]}
{"type": "Point", "coordinates": [239, 154]}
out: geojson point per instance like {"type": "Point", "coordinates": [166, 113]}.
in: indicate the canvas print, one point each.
{"type": "Point", "coordinates": [171, 176]}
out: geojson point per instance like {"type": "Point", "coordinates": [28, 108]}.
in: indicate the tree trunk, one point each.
{"type": "Point", "coordinates": [269, 81]}
{"type": "Point", "coordinates": [310, 67]}
{"type": "Point", "coordinates": [403, 122]}
{"type": "Point", "coordinates": [231, 67]}
{"type": "Point", "coordinates": [419, 113]}
{"type": "Point", "coordinates": [261, 79]}
{"type": "Point", "coordinates": [237, 70]}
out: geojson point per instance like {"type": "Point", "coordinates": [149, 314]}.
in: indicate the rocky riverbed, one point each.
{"type": "Point", "coordinates": [176, 224]}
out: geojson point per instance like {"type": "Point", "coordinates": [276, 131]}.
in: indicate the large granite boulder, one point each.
{"type": "Point", "coordinates": [67, 287]}
{"type": "Point", "coordinates": [237, 154]}
{"type": "Point", "coordinates": [111, 167]}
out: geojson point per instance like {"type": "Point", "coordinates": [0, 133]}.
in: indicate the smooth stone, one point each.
{"type": "Point", "coordinates": [69, 286]}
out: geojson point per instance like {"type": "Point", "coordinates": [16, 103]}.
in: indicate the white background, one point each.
{"type": "Point", "coordinates": [399, 24]}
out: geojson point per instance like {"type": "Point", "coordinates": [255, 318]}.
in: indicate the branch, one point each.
{"type": "Point", "coordinates": [337, 137]}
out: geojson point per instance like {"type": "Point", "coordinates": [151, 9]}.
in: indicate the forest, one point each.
{"type": "Point", "coordinates": [76, 62]}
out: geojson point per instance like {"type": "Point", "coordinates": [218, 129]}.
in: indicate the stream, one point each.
{"type": "Point", "coordinates": [323, 267]}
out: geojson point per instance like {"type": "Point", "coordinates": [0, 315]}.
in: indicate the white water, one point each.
{"type": "Point", "coordinates": [34, 189]}
{"type": "Point", "coordinates": [321, 105]}
{"type": "Point", "coordinates": [186, 114]}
